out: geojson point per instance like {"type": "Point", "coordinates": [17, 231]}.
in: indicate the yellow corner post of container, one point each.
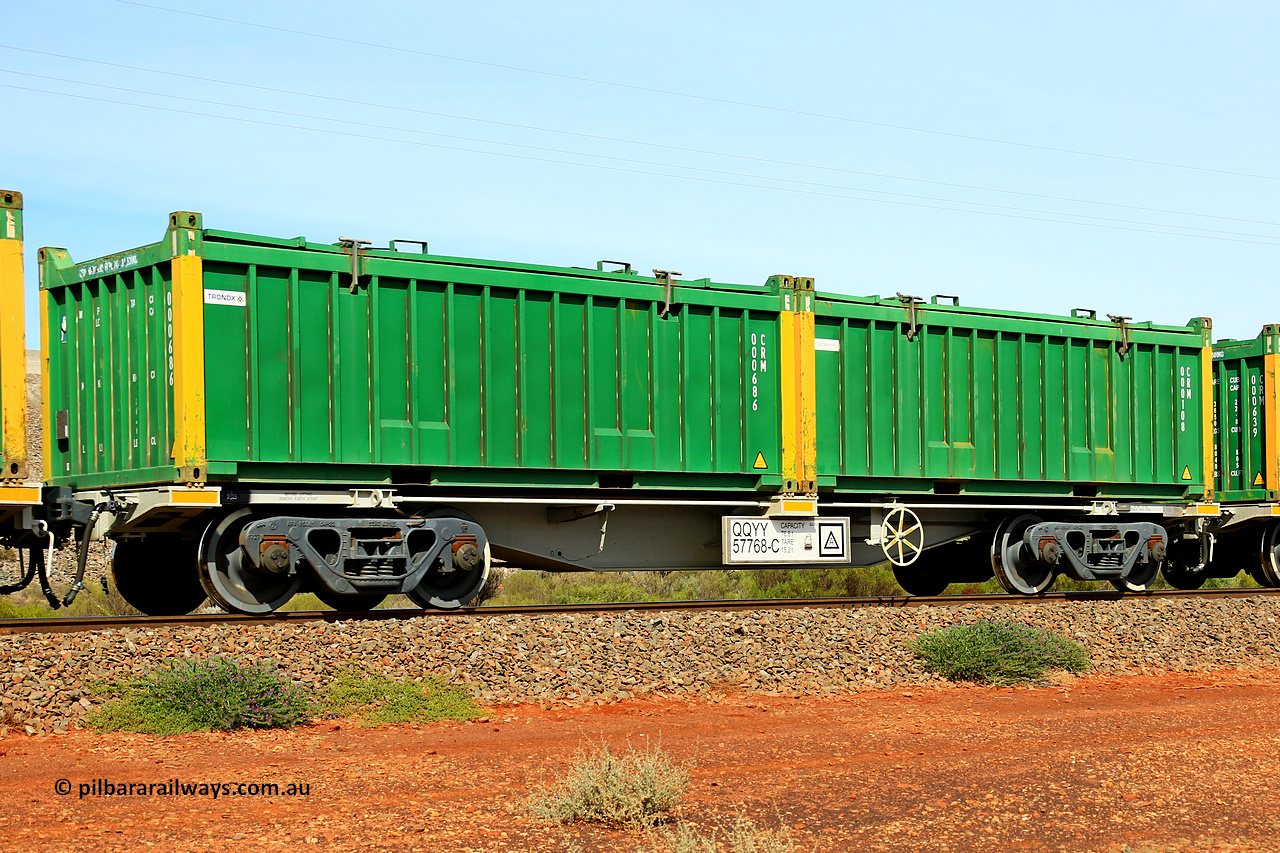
{"type": "Point", "coordinates": [808, 385]}
{"type": "Point", "coordinates": [799, 415]}
{"type": "Point", "coordinates": [13, 354]}
{"type": "Point", "coordinates": [189, 454]}
{"type": "Point", "coordinates": [1206, 418]}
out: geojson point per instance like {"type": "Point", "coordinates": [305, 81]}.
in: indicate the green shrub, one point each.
{"type": "Point", "coordinates": [534, 587]}
{"type": "Point", "coordinates": [378, 699]}
{"type": "Point", "coordinates": [633, 789]}
{"type": "Point", "coordinates": [522, 587]}
{"type": "Point", "coordinates": [998, 652]}
{"type": "Point", "coordinates": [219, 694]}
{"type": "Point", "coordinates": [820, 583]}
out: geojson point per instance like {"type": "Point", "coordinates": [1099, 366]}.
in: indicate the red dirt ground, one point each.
{"type": "Point", "coordinates": [1170, 763]}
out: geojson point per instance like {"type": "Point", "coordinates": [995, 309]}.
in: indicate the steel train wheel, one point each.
{"type": "Point", "coordinates": [158, 574]}
{"type": "Point", "coordinates": [1140, 579]}
{"type": "Point", "coordinates": [1181, 577]}
{"type": "Point", "coordinates": [967, 561]}
{"type": "Point", "coordinates": [1181, 568]}
{"type": "Point", "coordinates": [348, 603]}
{"type": "Point", "coordinates": [1268, 567]}
{"type": "Point", "coordinates": [921, 578]}
{"type": "Point", "coordinates": [1017, 569]}
{"type": "Point", "coordinates": [231, 579]}
{"type": "Point", "coordinates": [451, 590]}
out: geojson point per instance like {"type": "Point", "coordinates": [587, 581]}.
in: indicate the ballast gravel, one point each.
{"type": "Point", "coordinates": [52, 680]}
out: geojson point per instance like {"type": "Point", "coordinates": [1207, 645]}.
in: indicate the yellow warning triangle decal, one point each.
{"type": "Point", "coordinates": [760, 463]}
{"type": "Point", "coordinates": [1186, 473]}
{"type": "Point", "coordinates": [1257, 481]}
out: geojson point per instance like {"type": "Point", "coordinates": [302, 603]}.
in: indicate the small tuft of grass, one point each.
{"type": "Point", "coordinates": [633, 789]}
{"type": "Point", "coordinates": [999, 652]}
{"type": "Point", "coordinates": [219, 694]}
{"type": "Point", "coordinates": [376, 699]}
{"type": "Point", "coordinates": [93, 600]}
{"type": "Point", "coordinates": [743, 837]}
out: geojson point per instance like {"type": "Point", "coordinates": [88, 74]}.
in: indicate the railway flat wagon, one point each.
{"type": "Point", "coordinates": [248, 417]}
{"type": "Point", "coordinates": [1028, 445]}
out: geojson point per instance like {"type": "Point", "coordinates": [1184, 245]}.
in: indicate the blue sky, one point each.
{"type": "Point", "coordinates": [1036, 157]}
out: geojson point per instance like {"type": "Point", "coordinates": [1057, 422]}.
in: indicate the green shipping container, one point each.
{"type": "Point", "coordinates": [219, 356]}
{"type": "Point", "coordinates": [1245, 423]}
{"type": "Point", "coordinates": [942, 399]}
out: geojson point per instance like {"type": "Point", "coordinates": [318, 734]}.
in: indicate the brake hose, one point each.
{"type": "Point", "coordinates": [42, 571]}
{"type": "Point", "coordinates": [26, 573]}
{"type": "Point", "coordinates": [83, 558]}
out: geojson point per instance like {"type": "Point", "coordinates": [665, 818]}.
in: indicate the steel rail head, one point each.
{"type": "Point", "coordinates": [75, 624]}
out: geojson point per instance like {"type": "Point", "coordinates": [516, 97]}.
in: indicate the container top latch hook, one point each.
{"type": "Point", "coordinates": [1124, 332]}
{"type": "Point", "coordinates": [910, 302]}
{"type": "Point", "coordinates": [665, 277]}
{"type": "Point", "coordinates": [354, 246]}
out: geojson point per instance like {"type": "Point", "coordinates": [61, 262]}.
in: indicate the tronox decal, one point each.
{"type": "Point", "coordinates": [225, 297]}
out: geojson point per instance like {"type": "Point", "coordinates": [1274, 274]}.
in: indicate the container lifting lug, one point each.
{"type": "Point", "coordinates": [665, 277]}
{"type": "Point", "coordinates": [1124, 332]}
{"type": "Point", "coordinates": [354, 245]}
{"type": "Point", "coordinates": [910, 302]}
{"type": "Point", "coordinates": [626, 267]}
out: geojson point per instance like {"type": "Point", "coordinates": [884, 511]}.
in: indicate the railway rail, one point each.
{"type": "Point", "coordinates": [73, 624]}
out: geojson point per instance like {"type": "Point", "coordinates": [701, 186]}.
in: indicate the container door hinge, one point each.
{"type": "Point", "coordinates": [665, 276]}
{"type": "Point", "coordinates": [353, 245]}
{"type": "Point", "coordinates": [1124, 332]}
{"type": "Point", "coordinates": [910, 302]}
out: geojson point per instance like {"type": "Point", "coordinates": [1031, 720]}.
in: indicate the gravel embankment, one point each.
{"type": "Point", "coordinates": [581, 660]}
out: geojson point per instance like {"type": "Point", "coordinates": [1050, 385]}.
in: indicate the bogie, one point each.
{"type": "Point", "coordinates": [253, 562]}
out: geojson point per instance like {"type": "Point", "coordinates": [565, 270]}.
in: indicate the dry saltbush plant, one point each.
{"type": "Point", "coordinates": [633, 789]}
